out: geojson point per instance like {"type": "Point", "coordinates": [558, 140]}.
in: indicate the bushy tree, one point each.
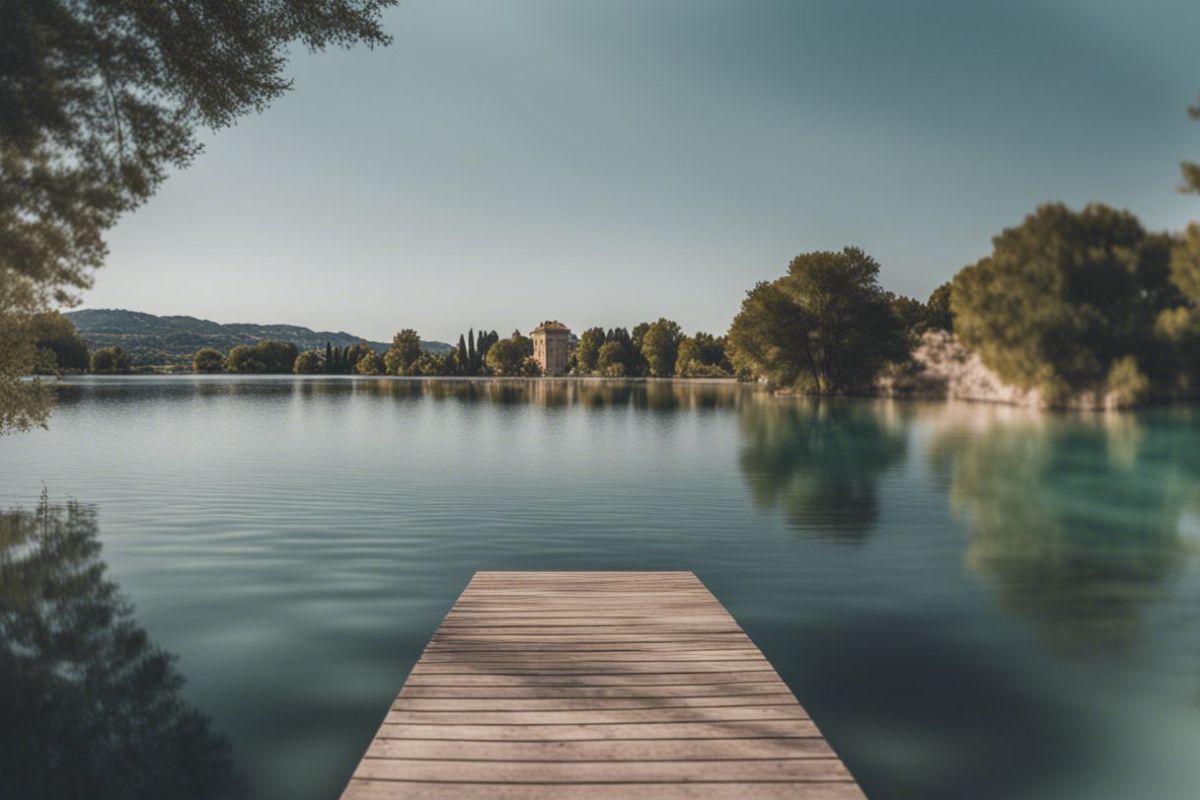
{"type": "Point", "coordinates": [660, 346]}
{"type": "Point", "coordinates": [369, 364]}
{"type": "Point", "coordinates": [266, 356]}
{"type": "Point", "coordinates": [702, 356]}
{"type": "Point", "coordinates": [404, 352]}
{"type": "Point", "coordinates": [207, 359]}
{"type": "Point", "coordinates": [506, 357]}
{"type": "Point", "coordinates": [531, 367]}
{"type": "Point", "coordinates": [111, 360]}
{"type": "Point", "coordinates": [1063, 297]}
{"type": "Point", "coordinates": [1177, 327]}
{"type": "Point", "coordinates": [24, 404]}
{"type": "Point", "coordinates": [826, 327]}
{"type": "Point", "coordinates": [58, 343]}
{"type": "Point", "coordinates": [244, 358]}
{"type": "Point", "coordinates": [938, 314]}
{"type": "Point", "coordinates": [429, 365]}
{"type": "Point", "coordinates": [309, 362]}
{"type": "Point", "coordinates": [99, 101]}
{"type": "Point", "coordinates": [587, 350]}
{"type": "Point", "coordinates": [610, 360]}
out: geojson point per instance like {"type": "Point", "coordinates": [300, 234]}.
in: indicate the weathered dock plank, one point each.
{"type": "Point", "coordinates": [594, 686]}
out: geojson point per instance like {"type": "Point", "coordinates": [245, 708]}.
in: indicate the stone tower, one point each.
{"type": "Point", "coordinates": [551, 343]}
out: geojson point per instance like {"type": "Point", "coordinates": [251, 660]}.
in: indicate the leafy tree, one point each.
{"type": "Point", "coordinates": [639, 334]}
{"type": "Point", "coordinates": [244, 359]}
{"type": "Point", "coordinates": [660, 346]}
{"type": "Point", "coordinates": [507, 357]}
{"type": "Point", "coordinates": [265, 356]}
{"type": "Point", "coordinates": [586, 351]}
{"type": "Point", "coordinates": [938, 314]}
{"type": "Point", "coordinates": [1177, 328]}
{"type": "Point", "coordinates": [207, 359]}
{"type": "Point", "coordinates": [328, 357]}
{"type": "Point", "coordinates": [100, 101]}
{"type": "Point", "coordinates": [429, 364]}
{"type": "Point", "coordinates": [1063, 297]}
{"type": "Point", "coordinates": [309, 362]}
{"type": "Point", "coordinates": [369, 364]}
{"type": "Point", "coordinates": [24, 404]}
{"type": "Point", "coordinates": [702, 356]}
{"type": "Point", "coordinates": [531, 368]}
{"type": "Point", "coordinates": [405, 350]}
{"type": "Point", "coordinates": [913, 315]}
{"type": "Point", "coordinates": [631, 355]}
{"type": "Point", "coordinates": [826, 327]}
{"type": "Point", "coordinates": [484, 341]}
{"type": "Point", "coordinates": [110, 360]}
{"type": "Point", "coordinates": [352, 355]}
{"type": "Point", "coordinates": [610, 360]}
{"type": "Point", "coordinates": [61, 346]}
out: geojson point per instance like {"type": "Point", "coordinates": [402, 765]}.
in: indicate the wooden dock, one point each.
{"type": "Point", "coordinates": [573, 685]}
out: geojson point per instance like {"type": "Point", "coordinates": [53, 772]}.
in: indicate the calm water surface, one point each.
{"type": "Point", "coordinates": [972, 601]}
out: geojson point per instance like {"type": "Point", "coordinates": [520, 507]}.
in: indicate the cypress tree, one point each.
{"type": "Point", "coordinates": [471, 355]}
{"type": "Point", "coordinates": [328, 357]}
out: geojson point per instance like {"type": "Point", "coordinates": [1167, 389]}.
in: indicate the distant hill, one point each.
{"type": "Point", "coordinates": [155, 340]}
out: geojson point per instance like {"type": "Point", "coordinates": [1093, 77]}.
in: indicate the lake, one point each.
{"type": "Point", "coordinates": [234, 575]}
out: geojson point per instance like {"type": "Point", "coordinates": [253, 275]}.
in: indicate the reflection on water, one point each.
{"type": "Point", "coordinates": [89, 706]}
{"type": "Point", "coordinates": [820, 462]}
{"type": "Point", "coordinates": [971, 601]}
{"type": "Point", "coordinates": [1075, 520]}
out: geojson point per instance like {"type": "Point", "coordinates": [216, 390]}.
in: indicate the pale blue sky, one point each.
{"type": "Point", "coordinates": [606, 162]}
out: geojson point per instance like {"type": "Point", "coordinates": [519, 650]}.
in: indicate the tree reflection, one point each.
{"type": "Point", "coordinates": [89, 706]}
{"type": "Point", "coordinates": [820, 462]}
{"type": "Point", "coordinates": [1075, 520]}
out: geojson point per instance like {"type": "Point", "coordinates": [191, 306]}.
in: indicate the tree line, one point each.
{"type": "Point", "coordinates": [656, 349]}
{"type": "Point", "coordinates": [1069, 304]}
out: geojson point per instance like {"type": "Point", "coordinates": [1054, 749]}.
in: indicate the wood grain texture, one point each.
{"type": "Point", "coordinates": [595, 685]}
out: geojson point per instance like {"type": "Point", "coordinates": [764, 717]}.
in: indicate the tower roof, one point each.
{"type": "Point", "coordinates": [551, 325]}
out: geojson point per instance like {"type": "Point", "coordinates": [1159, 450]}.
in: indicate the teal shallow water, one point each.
{"type": "Point", "coordinates": [972, 601]}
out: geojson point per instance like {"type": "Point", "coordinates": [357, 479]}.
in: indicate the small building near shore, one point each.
{"type": "Point", "coordinates": [551, 346]}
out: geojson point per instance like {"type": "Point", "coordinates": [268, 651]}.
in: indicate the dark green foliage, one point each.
{"type": "Point", "coordinates": [1063, 298]}
{"type": "Point", "coordinates": [404, 352]}
{"type": "Point", "coordinates": [369, 364]}
{"type": "Point", "coordinates": [208, 360]}
{"type": "Point", "coordinates": [472, 356]}
{"type": "Point", "coordinates": [587, 350]}
{"type": "Point", "coordinates": [702, 356]}
{"type": "Point", "coordinates": [309, 362]}
{"type": "Point", "coordinates": [173, 340]}
{"type": "Point", "coordinates": [826, 327]}
{"type": "Point", "coordinates": [24, 404]}
{"type": "Point", "coordinates": [89, 705]}
{"type": "Point", "coordinates": [328, 357]}
{"type": "Point", "coordinates": [265, 357]}
{"type": "Point", "coordinates": [59, 342]}
{"type": "Point", "coordinates": [102, 99]}
{"type": "Point", "coordinates": [660, 346]}
{"type": "Point", "coordinates": [111, 360]}
{"type": "Point", "coordinates": [913, 315]}
{"type": "Point", "coordinates": [507, 357]}
{"type": "Point", "coordinates": [611, 361]}
{"type": "Point", "coordinates": [939, 317]}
